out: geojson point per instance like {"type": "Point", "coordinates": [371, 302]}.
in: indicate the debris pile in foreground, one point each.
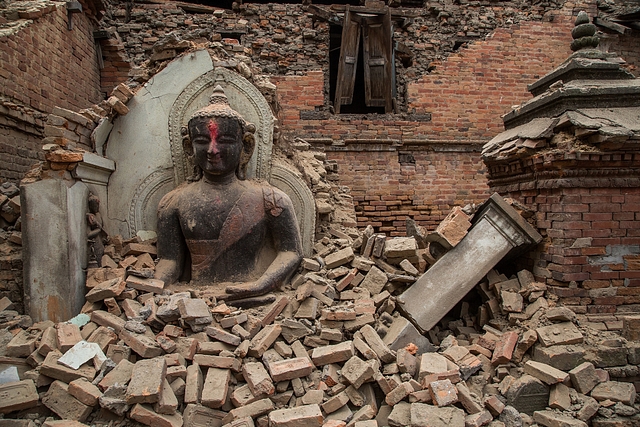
{"type": "Point", "coordinates": [330, 350]}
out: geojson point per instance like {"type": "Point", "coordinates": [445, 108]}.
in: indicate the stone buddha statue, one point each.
{"type": "Point", "coordinates": [219, 228]}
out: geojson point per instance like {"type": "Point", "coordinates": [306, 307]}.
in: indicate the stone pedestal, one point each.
{"type": "Point", "coordinates": [54, 236]}
{"type": "Point", "coordinates": [498, 230]}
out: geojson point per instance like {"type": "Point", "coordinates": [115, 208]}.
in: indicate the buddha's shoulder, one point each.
{"type": "Point", "coordinates": [174, 197]}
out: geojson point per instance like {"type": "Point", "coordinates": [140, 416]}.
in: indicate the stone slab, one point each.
{"type": "Point", "coordinates": [559, 334]}
{"type": "Point", "coordinates": [54, 280]}
{"type": "Point", "coordinates": [498, 230]}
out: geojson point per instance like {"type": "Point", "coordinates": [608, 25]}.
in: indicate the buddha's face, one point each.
{"type": "Point", "coordinates": [217, 145]}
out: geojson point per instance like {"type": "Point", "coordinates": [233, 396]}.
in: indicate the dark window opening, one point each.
{"type": "Point", "coordinates": [361, 70]}
{"type": "Point", "coordinates": [358, 105]}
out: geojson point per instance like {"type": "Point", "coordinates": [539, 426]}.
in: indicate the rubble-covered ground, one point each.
{"type": "Point", "coordinates": [324, 352]}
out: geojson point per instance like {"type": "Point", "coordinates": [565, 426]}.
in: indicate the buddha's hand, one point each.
{"type": "Point", "coordinates": [248, 289]}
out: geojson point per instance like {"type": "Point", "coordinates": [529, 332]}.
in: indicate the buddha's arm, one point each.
{"type": "Point", "coordinates": [286, 238]}
{"type": "Point", "coordinates": [171, 244]}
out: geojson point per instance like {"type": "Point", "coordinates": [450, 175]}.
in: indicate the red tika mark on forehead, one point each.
{"type": "Point", "coordinates": [213, 130]}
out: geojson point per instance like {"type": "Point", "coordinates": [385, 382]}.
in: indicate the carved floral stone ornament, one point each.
{"type": "Point", "coordinates": [220, 229]}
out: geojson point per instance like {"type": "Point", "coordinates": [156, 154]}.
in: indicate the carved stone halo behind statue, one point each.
{"type": "Point", "coordinates": [220, 227]}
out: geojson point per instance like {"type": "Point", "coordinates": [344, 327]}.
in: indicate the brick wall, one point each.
{"type": "Point", "coordinates": [387, 187]}
{"type": "Point", "coordinates": [42, 65]}
{"type": "Point", "coordinates": [458, 107]}
{"type": "Point", "coordinates": [592, 237]}
{"type": "Point", "coordinates": [116, 64]}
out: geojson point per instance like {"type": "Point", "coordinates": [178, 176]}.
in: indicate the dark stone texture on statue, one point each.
{"type": "Point", "coordinates": [220, 229]}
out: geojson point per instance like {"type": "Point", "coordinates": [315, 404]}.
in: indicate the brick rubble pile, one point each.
{"type": "Point", "coordinates": [324, 353]}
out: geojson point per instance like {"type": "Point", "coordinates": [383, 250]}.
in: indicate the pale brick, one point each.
{"type": "Point", "coordinates": [84, 391]}
{"type": "Point", "coordinates": [584, 377]}
{"type": "Point", "coordinates": [18, 395]}
{"type": "Point", "coordinates": [147, 379]}
{"type": "Point", "coordinates": [147, 416]}
{"type": "Point", "coordinates": [193, 384]}
{"type": "Point", "coordinates": [333, 353]}
{"type": "Point", "coordinates": [545, 373]}
{"type": "Point", "coordinates": [443, 392]}
{"type": "Point", "coordinates": [258, 379]}
{"type": "Point", "coordinates": [306, 415]}
{"type": "Point", "coordinates": [63, 404]}
{"type": "Point", "coordinates": [290, 368]}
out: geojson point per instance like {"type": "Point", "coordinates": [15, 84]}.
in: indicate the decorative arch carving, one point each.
{"type": "Point", "coordinates": [146, 198]}
{"type": "Point", "coordinates": [304, 205]}
{"type": "Point", "coordinates": [244, 97]}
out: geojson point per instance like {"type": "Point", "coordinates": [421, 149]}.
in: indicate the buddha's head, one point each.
{"type": "Point", "coordinates": [221, 139]}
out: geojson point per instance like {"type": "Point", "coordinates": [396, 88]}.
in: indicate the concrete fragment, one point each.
{"type": "Point", "coordinates": [80, 353]}
{"type": "Point", "coordinates": [402, 333]}
{"type": "Point", "coordinates": [114, 399]}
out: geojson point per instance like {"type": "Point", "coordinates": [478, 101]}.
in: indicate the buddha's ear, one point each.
{"type": "Point", "coordinates": [187, 148]}
{"type": "Point", "coordinates": [248, 145]}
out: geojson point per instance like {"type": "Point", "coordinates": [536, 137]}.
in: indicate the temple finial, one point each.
{"type": "Point", "coordinates": [584, 33]}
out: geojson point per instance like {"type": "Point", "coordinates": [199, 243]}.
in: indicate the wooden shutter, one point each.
{"type": "Point", "coordinates": [348, 59]}
{"type": "Point", "coordinates": [378, 67]}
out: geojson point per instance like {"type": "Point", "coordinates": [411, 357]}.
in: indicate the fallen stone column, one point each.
{"type": "Point", "coordinates": [497, 231]}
